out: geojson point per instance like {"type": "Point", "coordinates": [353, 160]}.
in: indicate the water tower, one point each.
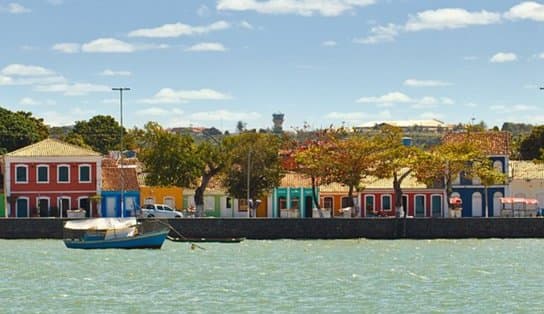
{"type": "Point", "coordinates": [277, 118]}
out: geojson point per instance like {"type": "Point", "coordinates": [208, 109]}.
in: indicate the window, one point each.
{"type": "Point", "coordinates": [346, 202]}
{"type": "Point", "coordinates": [327, 203]}
{"type": "Point", "coordinates": [229, 202]}
{"type": "Point", "coordinates": [170, 201]}
{"type": "Point", "coordinates": [476, 204]}
{"type": "Point", "coordinates": [242, 205]}
{"type": "Point", "coordinates": [497, 164]}
{"type": "Point", "coordinates": [420, 205]}
{"type": "Point", "coordinates": [295, 203]}
{"type": "Point", "coordinates": [369, 204]}
{"type": "Point", "coordinates": [386, 202]}
{"type": "Point", "coordinates": [21, 174]}
{"type": "Point", "coordinates": [42, 174]}
{"type": "Point", "coordinates": [63, 174]}
{"type": "Point", "coordinates": [85, 174]}
{"type": "Point", "coordinates": [282, 203]}
{"type": "Point", "coordinates": [149, 200]}
{"type": "Point", "coordinates": [436, 205]}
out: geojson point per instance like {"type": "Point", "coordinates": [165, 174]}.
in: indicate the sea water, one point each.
{"type": "Point", "coordinates": [281, 276]}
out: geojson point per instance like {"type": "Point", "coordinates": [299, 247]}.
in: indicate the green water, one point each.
{"type": "Point", "coordinates": [284, 276]}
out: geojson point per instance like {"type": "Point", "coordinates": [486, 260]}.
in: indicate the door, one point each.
{"type": "Point", "coordinates": [86, 205]}
{"type": "Point", "coordinates": [405, 204]}
{"type": "Point", "coordinates": [419, 203]}
{"type": "Point", "coordinates": [436, 206]}
{"type": "Point", "coordinates": [22, 207]}
{"type": "Point", "coordinates": [476, 204]}
{"type": "Point", "coordinates": [497, 205]}
{"type": "Point", "coordinates": [43, 207]}
{"type": "Point", "coordinates": [64, 205]}
{"type": "Point", "coordinates": [308, 207]}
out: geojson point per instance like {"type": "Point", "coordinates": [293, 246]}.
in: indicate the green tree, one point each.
{"type": "Point", "coordinates": [530, 146]}
{"type": "Point", "coordinates": [212, 158]}
{"type": "Point", "coordinates": [254, 156]}
{"type": "Point", "coordinates": [352, 158]}
{"type": "Point", "coordinates": [76, 139]}
{"type": "Point", "coordinates": [395, 160]}
{"type": "Point", "coordinates": [102, 133]}
{"type": "Point", "coordinates": [488, 176]}
{"type": "Point", "coordinates": [19, 129]}
{"type": "Point", "coordinates": [312, 161]}
{"type": "Point", "coordinates": [168, 158]}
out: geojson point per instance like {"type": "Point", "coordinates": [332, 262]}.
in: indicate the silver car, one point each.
{"type": "Point", "coordinates": [160, 211]}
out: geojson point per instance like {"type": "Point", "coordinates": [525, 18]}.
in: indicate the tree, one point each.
{"type": "Point", "coordinates": [212, 157]}
{"type": "Point", "coordinates": [241, 126]}
{"type": "Point", "coordinates": [395, 160]}
{"type": "Point", "coordinates": [20, 129]}
{"type": "Point", "coordinates": [76, 139]}
{"type": "Point", "coordinates": [253, 159]}
{"type": "Point", "coordinates": [102, 133]}
{"type": "Point", "coordinates": [312, 161]}
{"type": "Point", "coordinates": [447, 161]}
{"type": "Point", "coordinates": [488, 176]}
{"type": "Point", "coordinates": [169, 159]}
{"type": "Point", "coordinates": [530, 146]}
{"type": "Point", "coordinates": [351, 159]}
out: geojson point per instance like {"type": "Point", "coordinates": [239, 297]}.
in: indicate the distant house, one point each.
{"type": "Point", "coordinates": [169, 195]}
{"type": "Point", "coordinates": [526, 180]}
{"type": "Point", "coordinates": [48, 178]}
{"type": "Point", "coordinates": [432, 125]}
{"type": "Point", "coordinates": [470, 190]}
{"type": "Point", "coordinates": [293, 198]}
{"type": "Point", "coordinates": [120, 189]}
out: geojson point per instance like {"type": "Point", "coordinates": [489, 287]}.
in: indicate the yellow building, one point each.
{"type": "Point", "coordinates": [171, 196]}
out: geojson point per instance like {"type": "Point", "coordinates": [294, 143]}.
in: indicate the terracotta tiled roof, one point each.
{"type": "Point", "coordinates": [295, 180]}
{"type": "Point", "coordinates": [52, 148]}
{"type": "Point", "coordinates": [493, 142]}
{"type": "Point", "coordinates": [111, 179]}
{"type": "Point", "coordinates": [526, 170]}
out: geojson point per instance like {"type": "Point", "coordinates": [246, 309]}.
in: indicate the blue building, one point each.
{"type": "Point", "coordinates": [470, 190]}
{"type": "Point", "coordinates": [119, 183]}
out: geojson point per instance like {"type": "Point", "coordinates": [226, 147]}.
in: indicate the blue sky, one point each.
{"type": "Point", "coordinates": [213, 63]}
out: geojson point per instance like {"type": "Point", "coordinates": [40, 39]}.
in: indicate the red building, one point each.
{"type": "Point", "coordinates": [48, 178]}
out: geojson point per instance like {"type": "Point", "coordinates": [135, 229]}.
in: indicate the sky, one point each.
{"type": "Point", "coordinates": [320, 62]}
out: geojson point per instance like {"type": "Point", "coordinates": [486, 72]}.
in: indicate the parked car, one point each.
{"type": "Point", "coordinates": [160, 211]}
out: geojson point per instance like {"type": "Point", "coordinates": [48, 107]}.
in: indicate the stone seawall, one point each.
{"type": "Point", "coordinates": [262, 228]}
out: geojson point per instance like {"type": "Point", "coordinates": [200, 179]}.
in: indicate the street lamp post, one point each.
{"type": "Point", "coordinates": [121, 90]}
{"type": "Point", "coordinates": [248, 183]}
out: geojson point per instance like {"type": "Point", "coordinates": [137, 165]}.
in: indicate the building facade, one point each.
{"type": "Point", "coordinates": [48, 178]}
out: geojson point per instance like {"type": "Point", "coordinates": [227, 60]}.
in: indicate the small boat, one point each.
{"type": "Point", "coordinates": [114, 233]}
{"type": "Point", "coordinates": [207, 239]}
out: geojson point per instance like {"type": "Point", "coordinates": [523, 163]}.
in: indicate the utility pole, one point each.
{"type": "Point", "coordinates": [121, 90]}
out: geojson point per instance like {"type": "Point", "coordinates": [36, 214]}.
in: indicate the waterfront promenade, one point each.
{"type": "Point", "coordinates": [342, 228]}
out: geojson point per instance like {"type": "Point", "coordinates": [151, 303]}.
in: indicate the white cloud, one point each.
{"type": "Point", "coordinates": [177, 30]}
{"type": "Point", "coordinates": [67, 47]}
{"type": "Point", "coordinates": [76, 89]}
{"type": "Point", "coordinates": [224, 115]}
{"type": "Point", "coordinates": [246, 25]}
{"type": "Point", "coordinates": [431, 115]}
{"type": "Point", "coordinates": [380, 34]}
{"type": "Point", "coordinates": [170, 96]}
{"type": "Point", "coordinates": [502, 57]}
{"type": "Point", "coordinates": [329, 43]}
{"type": "Point", "coordinates": [109, 72]}
{"type": "Point", "coordinates": [14, 8]}
{"type": "Point", "coordinates": [300, 7]}
{"type": "Point", "coordinates": [357, 116]}
{"type": "Point", "coordinates": [203, 11]}
{"type": "Point", "coordinates": [528, 10]}
{"type": "Point", "coordinates": [55, 118]}
{"type": "Point", "coordinates": [541, 56]}
{"type": "Point", "coordinates": [393, 97]}
{"type": "Point", "coordinates": [513, 108]}
{"type": "Point", "coordinates": [6, 80]}
{"type": "Point", "coordinates": [450, 18]}
{"type": "Point", "coordinates": [107, 45]}
{"type": "Point", "coordinates": [207, 47]}
{"type": "Point", "coordinates": [27, 101]}
{"type": "Point", "coordinates": [153, 111]}
{"type": "Point", "coordinates": [425, 83]}
{"type": "Point", "coordinates": [26, 70]}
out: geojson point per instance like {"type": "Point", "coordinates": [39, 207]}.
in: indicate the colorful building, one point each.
{"type": "Point", "coordinates": [526, 180]}
{"type": "Point", "coordinates": [171, 196]}
{"type": "Point", "coordinates": [293, 198]}
{"type": "Point", "coordinates": [48, 178]}
{"type": "Point", "coordinates": [120, 189]}
{"type": "Point", "coordinates": [470, 190]}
